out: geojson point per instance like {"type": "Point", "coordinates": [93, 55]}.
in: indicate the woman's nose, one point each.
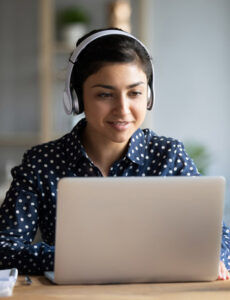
{"type": "Point", "coordinates": [122, 104]}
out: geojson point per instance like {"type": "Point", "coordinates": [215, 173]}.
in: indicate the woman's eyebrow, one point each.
{"type": "Point", "coordinates": [105, 86]}
{"type": "Point", "coordinates": [135, 84]}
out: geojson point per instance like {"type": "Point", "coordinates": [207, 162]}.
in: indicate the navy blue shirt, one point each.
{"type": "Point", "coordinates": [30, 202]}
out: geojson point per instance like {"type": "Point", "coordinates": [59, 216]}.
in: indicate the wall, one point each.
{"type": "Point", "coordinates": [191, 46]}
{"type": "Point", "coordinates": [19, 75]}
{"type": "Point", "coordinates": [19, 47]}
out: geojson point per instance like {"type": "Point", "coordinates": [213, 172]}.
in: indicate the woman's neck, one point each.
{"type": "Point", "coordinates": [102, 154]}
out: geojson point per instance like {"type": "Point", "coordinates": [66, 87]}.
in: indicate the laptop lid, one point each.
{"type": "Point", "coordinates": [150, 229]}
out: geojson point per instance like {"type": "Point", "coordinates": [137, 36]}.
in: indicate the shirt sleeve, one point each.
{"type": "Point", "coordinates": [19, 218]}
{"type": "Point", "coordinates": [225, 246]}
{"type": "Point", "coordinates": [183, 165]}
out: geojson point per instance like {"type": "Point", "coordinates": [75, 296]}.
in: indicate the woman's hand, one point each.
{"type": "Point", "coordinates": [223, 272]}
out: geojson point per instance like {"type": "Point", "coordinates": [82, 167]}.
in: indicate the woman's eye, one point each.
{"type": "Point", "coordinates": [135, 93]}
{"type": "Point", "coordinates": [104, 95]}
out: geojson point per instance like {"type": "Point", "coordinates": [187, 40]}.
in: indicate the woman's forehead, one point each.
{"type": "Point", "coordinates": [129, 73]}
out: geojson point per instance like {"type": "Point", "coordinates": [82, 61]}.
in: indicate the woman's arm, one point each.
{"type": "Point", "coordinates": [19, 219]}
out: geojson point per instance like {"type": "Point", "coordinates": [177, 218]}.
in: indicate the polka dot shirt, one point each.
{"type": "Point", "coordinates": [30, 202]}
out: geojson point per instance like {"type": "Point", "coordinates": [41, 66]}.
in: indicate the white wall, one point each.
{"type": "Point", "coordinates": [190, 42]}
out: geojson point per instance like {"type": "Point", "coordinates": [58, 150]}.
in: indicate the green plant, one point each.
{"type": "Point", "coordinates": [200, 155]}
{"type": "Point", "coordinates": [72, 15]}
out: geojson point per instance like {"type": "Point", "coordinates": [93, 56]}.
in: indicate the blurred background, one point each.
{"type": "Point", "coordinates": [190, 46]}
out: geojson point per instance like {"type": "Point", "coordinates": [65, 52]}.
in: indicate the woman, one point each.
{"type": "Point", "coordinates": [110, 78]}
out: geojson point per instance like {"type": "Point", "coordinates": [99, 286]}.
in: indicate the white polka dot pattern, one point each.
{"type": "Point", "coordinates": [31, 200]}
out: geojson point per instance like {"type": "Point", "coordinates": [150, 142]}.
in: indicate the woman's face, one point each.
{"type": "Point", "coordinates": [115, 102]}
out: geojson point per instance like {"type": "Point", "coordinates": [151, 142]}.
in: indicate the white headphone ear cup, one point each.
{"type": "Point", "coordinates": [150, 98]}
{"type": "Point", "coordinates": [76, 107]}
{"type": "Point", "coordinates": [67, 102]}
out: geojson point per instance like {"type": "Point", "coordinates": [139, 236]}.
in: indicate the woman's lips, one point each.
{"type": "Point", "coordinates": [120, 125]}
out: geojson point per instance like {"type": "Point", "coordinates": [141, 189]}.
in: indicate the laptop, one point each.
{"type": "Point", "coordinates": [138, 229]}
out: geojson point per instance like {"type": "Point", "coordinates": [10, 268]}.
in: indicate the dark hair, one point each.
{"type": "Point", "coordinates": [107, 49]}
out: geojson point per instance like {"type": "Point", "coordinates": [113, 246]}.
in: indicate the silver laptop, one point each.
{"type": "Point", "coordinates": [138, 229]}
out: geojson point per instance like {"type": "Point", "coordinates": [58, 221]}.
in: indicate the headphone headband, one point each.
{"type": "Point", "coordinates": [70, 100]}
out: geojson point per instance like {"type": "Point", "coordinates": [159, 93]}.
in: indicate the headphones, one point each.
{"type": "Point", "coordinates": [70, 99]}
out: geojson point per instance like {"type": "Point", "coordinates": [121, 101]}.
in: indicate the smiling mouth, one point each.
{"type": "Point", "coordinates": [120, 122]}
{"type": "Point", "coordinates": [120, 125]}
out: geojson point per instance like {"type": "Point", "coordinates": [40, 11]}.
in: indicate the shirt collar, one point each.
{"type": "Point", "coordinates": [73, 146]}
{"type": "Point", "coordinates": [135, 153]}
{"type": "Point", "coordinates": [136, 149]}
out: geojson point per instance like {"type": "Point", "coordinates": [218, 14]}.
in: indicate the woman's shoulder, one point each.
{"type": "Point", "coordinates": [152, 138]}
{"type": "Point", "coordinates": [51, 146]}
{"type": "Point", "coordinates": [66, 143]}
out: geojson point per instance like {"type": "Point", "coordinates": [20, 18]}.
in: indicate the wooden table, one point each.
{"type": "Point", "coordinates": [42, 289]}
